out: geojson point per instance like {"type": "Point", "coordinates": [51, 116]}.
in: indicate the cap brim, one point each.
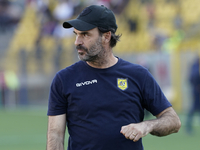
{"type": "Point", "coordinates": [78, 24]}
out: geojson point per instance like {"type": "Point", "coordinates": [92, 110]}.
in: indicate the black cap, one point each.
{"type": "Point", "coordinates": [93, 16]}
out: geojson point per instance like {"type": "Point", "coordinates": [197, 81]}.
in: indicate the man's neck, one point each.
{"type": "Point", "coordinates": [103, 63]}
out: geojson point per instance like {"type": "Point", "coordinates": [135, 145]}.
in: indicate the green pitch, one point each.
{"type": "Point", "coordinates": [25, 129]}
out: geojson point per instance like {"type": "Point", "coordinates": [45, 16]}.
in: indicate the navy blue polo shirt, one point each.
{"type": "Point", "coordinates": [98, 102]}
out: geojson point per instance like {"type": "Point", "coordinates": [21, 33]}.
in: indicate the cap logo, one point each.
{"type": "Point", "coordinates": [85, 11]}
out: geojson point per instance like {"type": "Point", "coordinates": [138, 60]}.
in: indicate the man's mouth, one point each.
{"type": "Point", "coordinates": [80, 51]}
{"type": "Point", "coordinates": [80, 48]}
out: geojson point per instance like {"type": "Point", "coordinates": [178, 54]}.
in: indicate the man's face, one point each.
{"type": "Point", "coordinates": [89, 44]}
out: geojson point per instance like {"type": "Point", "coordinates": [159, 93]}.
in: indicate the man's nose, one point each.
{"type": "Point", "coordinates": [78, 40]}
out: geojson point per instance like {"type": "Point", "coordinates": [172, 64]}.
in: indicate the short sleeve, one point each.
{"type": "Point", "coordinates": [154, 99]}
{"type": "Point", "coordinates": [57, 102]}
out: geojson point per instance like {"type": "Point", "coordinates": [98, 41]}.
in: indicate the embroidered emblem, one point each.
{"type": "Point", "coordinates": [122, 83]}
{"type": "Point", "coordinates": [85, 11]}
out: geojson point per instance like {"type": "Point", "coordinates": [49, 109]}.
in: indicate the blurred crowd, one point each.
{"type": "Point", "coordinates": [52, 16]}
{"type": "Point", "coordinates": [139, 19]}
{"type": "Point", "coordinates": [194, 80]}
{"type": "Point", "coordinates": [10, 14]}
{"type": "Point", "coordinates": [49, 12]}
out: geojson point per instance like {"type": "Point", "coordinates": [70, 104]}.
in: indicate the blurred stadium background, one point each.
{"type": "Point", "coordinates": [162, 35]}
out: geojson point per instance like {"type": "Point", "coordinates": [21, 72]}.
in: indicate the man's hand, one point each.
{"type": "Point", "coordinates": [135, 131]}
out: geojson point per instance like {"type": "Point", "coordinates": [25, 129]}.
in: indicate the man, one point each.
{"type": "Point", "coordinates": [102, 97]}
{"type": "Point", "coordinates": [194, 79]}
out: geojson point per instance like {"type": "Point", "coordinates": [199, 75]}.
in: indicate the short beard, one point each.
{"type": "Point", "coordinates": [91, 55]}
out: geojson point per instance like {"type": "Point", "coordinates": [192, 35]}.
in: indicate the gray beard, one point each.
{"type": "Point", "coordinates": [90, 55]}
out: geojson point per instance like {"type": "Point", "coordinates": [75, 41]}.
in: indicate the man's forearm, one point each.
{"type": "Point", "coordinates": [165, 124]}
{"type": "Point", "coordinates": [56, 132]}
{"type": "Point", "coordinates": [54, 143]}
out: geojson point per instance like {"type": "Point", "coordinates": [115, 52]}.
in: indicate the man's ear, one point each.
{"type": "Point", "coordinates": [106, 37]}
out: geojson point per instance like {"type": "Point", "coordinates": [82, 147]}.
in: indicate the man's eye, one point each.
{"type": "Point", "coordinates": [85, 34]}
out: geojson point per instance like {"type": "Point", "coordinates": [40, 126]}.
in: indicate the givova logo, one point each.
{"type": "Point", "coordinates": [86, 83]}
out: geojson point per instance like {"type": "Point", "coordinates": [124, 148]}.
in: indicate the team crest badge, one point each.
{"type": "Point", "coordinates": [122, 83]}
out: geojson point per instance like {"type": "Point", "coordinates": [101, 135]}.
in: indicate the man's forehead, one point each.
{"type": "Point", "coordinates": [88, 31]}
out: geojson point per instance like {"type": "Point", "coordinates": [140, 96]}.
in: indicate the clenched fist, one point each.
{"type": "Point", "coordinates": [135, 131]}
